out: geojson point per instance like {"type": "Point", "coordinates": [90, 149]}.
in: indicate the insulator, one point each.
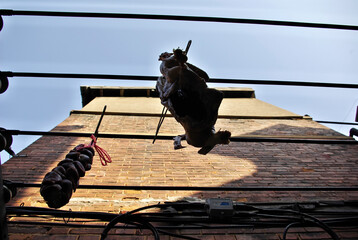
{"type": "Point", "coordinates": [353, 132]}
{"type": "Point", "coordinates": [4, 83]}
{"type": "Point", "coordinates": [1, 23]}
{"type": "Point", "coordinates": [10, 190]}
{"type": "Point", "coordinates": [8, 138]}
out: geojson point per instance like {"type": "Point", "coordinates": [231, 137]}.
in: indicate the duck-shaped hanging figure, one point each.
{"type": "Point", "coordinates": [183, 90]}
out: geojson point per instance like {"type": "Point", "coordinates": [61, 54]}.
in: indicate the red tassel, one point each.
{"type": "Point", "coordinates": [104, 157]}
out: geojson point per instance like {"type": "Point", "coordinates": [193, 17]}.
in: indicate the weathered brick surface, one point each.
{"type": "Point", "coordinates": [139, 162]}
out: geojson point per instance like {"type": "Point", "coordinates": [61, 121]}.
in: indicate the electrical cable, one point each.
{"type": "Point", "coordinates": [145, 224]}
{"type": "Point", "coordinates": [142, 220]}
{"type": "Point", "coordinates": [312, 220]}
{"type": "Point", "coordinates": [123, 217]}
{"type": "Point", "coordinates": [10, 12]}
{"type": "Point", "coordinates": [322, 225]}
{"type": "Point", "coordinates": [333, 122]}
{"type": "Point", "coordinates": [154, 78]}
{"type": "Point", "coordinates": [193, 188]}
{"type": "Point", "coordinates": [167, 137]}
{"type": "Point", "coordinates": [288, 227]}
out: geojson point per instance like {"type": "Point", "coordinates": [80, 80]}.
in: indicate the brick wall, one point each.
{"type": "Point", "coordinates": [139, 162]}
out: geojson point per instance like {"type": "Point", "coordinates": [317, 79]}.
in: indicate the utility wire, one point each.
{"type": "Point", "coordinates": [206, 189]}
{"type": "Point", "coordinates": [154, 78]}
{"type": "Point", "coordinates": [167, 137]}
{"type": "Point", "coordinates": [245, 216]}
{"type": "Point", "coordinates": [333, 122]}
{"type": "Point", "coordinates": [10, 12]}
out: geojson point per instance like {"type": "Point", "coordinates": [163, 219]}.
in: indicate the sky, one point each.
{"type": "Point", "coordinates": [132, 47]}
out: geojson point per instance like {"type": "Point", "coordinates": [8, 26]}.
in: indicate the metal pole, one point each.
{"type": "Point", "coordinates": [3, 224]}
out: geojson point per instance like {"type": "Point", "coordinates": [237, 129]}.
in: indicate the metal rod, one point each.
{"type": "Point", "coordinates": [161, 120]}
{"type": "Point", "coordinates": [99, 122]}
{"type": "Point", "coordinates": [10, 12]}
{"type": "Point", "coordinates": [167, 137]}
{"type": "Point", "coordinates": [187, 47]}
{"type": "Point", "coordinates": [185, 188]}
{"type": "Point", "coordinates": [154, 78]}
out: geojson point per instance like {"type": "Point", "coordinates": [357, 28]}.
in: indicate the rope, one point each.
{"type": "Point", "coordinates": [104, 157]}
{"type": "Point", "coordinates": [161, 120]}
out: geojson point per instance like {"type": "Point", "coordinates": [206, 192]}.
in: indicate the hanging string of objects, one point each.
{"type": "Point", "coordinates": [59, 184]}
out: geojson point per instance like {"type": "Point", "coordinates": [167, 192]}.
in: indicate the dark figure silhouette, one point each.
{"type": "Point", "coordinates": [183, 90]}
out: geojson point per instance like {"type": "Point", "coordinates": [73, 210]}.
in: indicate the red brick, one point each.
{"type": "Point", "coordinates": [18, 236]}
{"type": "Point", "coordinates": [58, 230]}
{"type": "Point", "coordinates": [89, 237]}
{"type": "Point", "coordinates": [139, 162]}
{"type": "Point", "coordinates": [55, 237]}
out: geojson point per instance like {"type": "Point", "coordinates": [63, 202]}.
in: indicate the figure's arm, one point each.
{"type": "Point", "coordinates": [177, 141]}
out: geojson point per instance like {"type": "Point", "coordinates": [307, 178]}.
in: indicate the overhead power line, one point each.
{"type": "Point", "coordinates": [197, 188]}
{"type": "Point", "coordinates": [169, 137]}
{"type": "Point", "coordinates": [335, 122]}
{"type": "Point", "coordinates": [10, 12]}
{"type": "Point", "coordinates": [154, 78]}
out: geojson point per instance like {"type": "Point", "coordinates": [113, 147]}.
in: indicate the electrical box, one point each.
{"type": "Point", "coordinates": [220, 208]}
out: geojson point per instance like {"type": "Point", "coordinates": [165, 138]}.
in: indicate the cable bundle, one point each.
{"type": "Point", "coordinates": [58, 185]}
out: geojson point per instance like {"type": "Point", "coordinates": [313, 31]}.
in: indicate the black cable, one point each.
{"type": "Point", "coordinates": [140, 220]}
{"type": "Point", "coordinates": [167, 137]}
{"type": "Point", "coordinates": [193, 188]}
{"type": "Point", "coordinates": [333, 122]}
{"type": "Point", "coordinates": [288, 227]}
{"type": "Point", "coordinates": [59, 213]}
{"type": "Point", "coordinates": [149, 226]}
{"type": "Point", "coordinates": [319, 224]}
{"type": "Point", "coordinates": [154, 78]}
{"type": "Point", "coordinates": [123, 217]}
{"type": "Point", "coordinates": [322, 225]}
{"type": "Point", "coordinates": [314, 220]}
{"type": "Point", "coordinates": [10, 12]}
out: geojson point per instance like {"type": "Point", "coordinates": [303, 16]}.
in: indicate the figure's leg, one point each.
{"type": "Point", "coordinates": [177, 141]}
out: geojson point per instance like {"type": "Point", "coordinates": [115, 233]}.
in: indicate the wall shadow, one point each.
{"type": "Point", "coordinates": [291, 165]}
